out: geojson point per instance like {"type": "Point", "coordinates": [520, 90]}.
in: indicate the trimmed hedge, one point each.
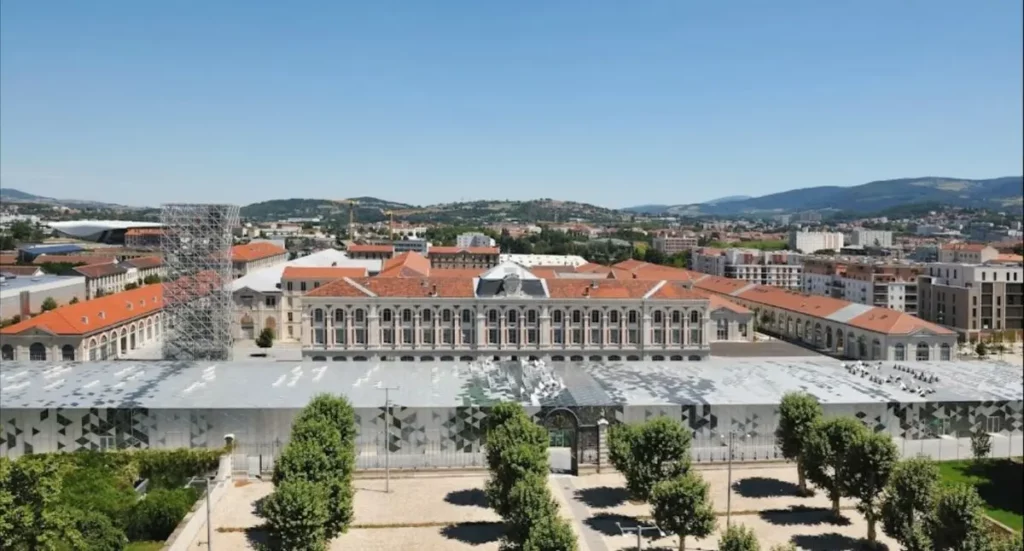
{"type": "Point", "coordinates": [154, 517]}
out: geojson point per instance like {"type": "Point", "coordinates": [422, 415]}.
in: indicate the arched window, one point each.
{"type": "Point", "coordinates": [556, 316]}
{"type": "Point", "coordinates": [595, 316]}
{"type": "Point", "coordinates": [513, 316]}
{"type": "Point", "coordinates": [923, 353]}
{"type": "Point", "coordinates": [37, 352]}
{"type": "Point", "coordinates": [385, 315]}
{"type": "Point", "coordinates": [659, 317]}
{"type": "Point", "coordinates": [360, 315]}
{"type": "Point", "coordinates": [7, 352]}
{"type": "Point", "coordinates": [694, 316]}
{"type": "Point", "coordinates": [876, 350]}
{"type": "Point", "coordinates": [467, 317]}
{"type": "Point", "coordinates": [426, 315]}
{"type": "Point", "coordinates": [613, 317]}
{"type": "Point", "coordinates": [944, 353]}
{"type": "Point", "coordinates": [446, 316]}
{"type": "Point", "coordinates": [900, 352]}
{"type": "Point", "coordinates": [406, 316]}
{"type": "Point", "coordinates": [339, 316]}
{"type": "Point", "coordinates": [67, 353]}
{"type": "Point", "coordinates": [318, 316]}
{"type": "Point", "coordinates": [492, 316]}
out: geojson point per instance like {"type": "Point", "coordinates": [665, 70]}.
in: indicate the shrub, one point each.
{"type": "Point", "coordinates": [528, 502]}
{"type": "Point", "coordinates": [174, 468]}
{"type": "Point", "coordinates": [738, 538]}
{"type": "Point", "coordinates": [297, 514]}
{"type": "Point", "coordinates": [265, 338]}
{"type": "Point", "coordinates": [96, 532]}
{"type": "Point", "coordinates": [158, 514]}
{"type": "Point", "coordinates": [908, 499]}
{"type": "Point", "coordinates": [48, 304]}
{"type": "Point", "coordinates": [551, 533]}
{"type": "Point", "coordinates": [515, 449]}
{"type": "Point", "coordinates": [957, 520]}
{"type": "Point", "coordinates": [98, 486]}
{"type": "Point", "coordinates": [981, 444]}
{"type": "Point", "coordinates": [649, 453]}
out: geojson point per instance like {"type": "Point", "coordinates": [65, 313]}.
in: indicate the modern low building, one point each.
{"type": "Point", "coordinates": [811, 242]}
{"type": "Point", "coordinates": [473, 239]}
{"type": "Point", "coordinates": [531, 260]}
{"type": "Point", "coordinates": [23, 296]}
{"type": "Point", "coordinates": [411, 245]}
{"type": "Point", "coordinates": [508, 312]}
{"type": "Point", "coordinates": [438, 413]}
{"type": "Point", "coordinates": [776, 268]}
{"type": "Point", "coordinates": [254, 256]}
{"type": "Point", "coordinates": [100, 231]}
{"type": "Point", "coordinates": [871, 239]}
{"type": "Point", "coordinates": [97, 329]}
{"type": "Point", "coordinates": [973, 299]}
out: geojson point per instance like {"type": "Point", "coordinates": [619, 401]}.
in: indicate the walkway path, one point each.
{"type": "Point", "coordinates": [592, 539]}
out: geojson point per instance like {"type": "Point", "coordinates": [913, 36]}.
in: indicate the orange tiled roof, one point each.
{"type": "Point", "coordinates": [457, 272]}
{"type": "Point", "coordinates": [716, 301]}
{"type": "Point", "coordinates": [970, 247]}
{"type": "Point", "coordinates": [808, 305]}
{"type": "Point", "coordinates": [145, 262]}
{"type": "Point", "coordinates": [408, 264]}
{"type": "Point", "coordinates": [325, 273]}
{"type": "Point", "coordinates": [371, 248]}
{"type": "Point", "coordinates": [467, 250]}
{"type": "Point", "coordinates": [892, 322]}
{"type": "Point", "coordinates": [602, 289]}
{"type": "Point", "coordinates": [143, 231]}
{"type": "Point", "coordinates": [8, 259]}
{"type": "Point", "coordinates": [255, 251]}
{"type": "Point", "coordinates": [1009, 258]}
{"type": "Point", "coordinates": [397, 287]}
{"type": "Point", "coordinates": [20, 270]}
{"type": "Point", "coordinates": [94, 271]}
{"type": "Point", "coordinates": [94, 315]}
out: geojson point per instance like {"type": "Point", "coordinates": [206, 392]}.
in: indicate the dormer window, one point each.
{"type": "Point", "coordinates": [85, 320]}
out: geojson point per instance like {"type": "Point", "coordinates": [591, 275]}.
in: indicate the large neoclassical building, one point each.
{"type": "Point", "coordinates": [508, 312]}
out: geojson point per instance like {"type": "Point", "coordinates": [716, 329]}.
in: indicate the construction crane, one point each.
{"type": "Point", "coordinates": [391, 223]}
{"type": "Point", "coordinates": [352, 204]}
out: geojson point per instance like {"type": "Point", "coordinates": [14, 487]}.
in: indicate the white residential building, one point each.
{"type": "Point", "coordinates": [775, 268]}
{"type": "Point", "coordinates": [813, 241]}
{"type": "Point", "coordinates": [871, 238]}
{"type": "Point", "coordinates": [473, 239]}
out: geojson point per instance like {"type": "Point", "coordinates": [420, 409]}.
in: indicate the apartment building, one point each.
{"type": "Point", "coordinates": [967, 253]}
{"type": "Point", "coordinates": [775, 268]}
{"type": "Point", "coordinates": [811, 241]}
{"type": "Point", "coordinates": [473, 239]}
{"type": "Point", "coordinates": [370, 252]}
{"type": "Point", "coordinates": [23, 296]}
{"type": "Point", "coordinates": [109, 278]}
{"type": "Point", "coordinates": [884, 284]}
{"type": "Point", "coordinates": [973, 299]}
{"type": "Point", "coordinates": [674, 244]}
{"type": "Point", "coordinates": [463, 258]}
{"type": "Point", "coordinates": [411, 245]}
{"type": "Point", "coordinates": [871, 238]}
{"type": "Point", "coordinates": [254, 256]}
{"type": "Point", "coordinates": [143, 238]}
{"type": "Point", "coordinates": [510, 313]}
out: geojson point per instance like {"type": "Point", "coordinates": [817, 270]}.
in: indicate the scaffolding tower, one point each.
{"type": "Point", "coordinates": [196, 246]}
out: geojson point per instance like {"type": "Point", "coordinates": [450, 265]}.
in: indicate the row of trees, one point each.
{"type": "Point", "coordinates": [845, 459]}
{"type": "Point", "coordinates": [312, 498]}
{"type": "Point", "coordinates": [517, 489]}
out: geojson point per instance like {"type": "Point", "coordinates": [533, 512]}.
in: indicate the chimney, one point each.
{"type": "Point", "coordinates": [586, 291]}
{"type": "Point", "coordinates": [433, 290]}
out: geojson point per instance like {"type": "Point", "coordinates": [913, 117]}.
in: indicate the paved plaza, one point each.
{"type": "Point", "coordinates": [449, 512]}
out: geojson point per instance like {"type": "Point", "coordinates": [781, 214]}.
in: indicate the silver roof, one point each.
{"type": "Point", "coordinates": [268, 384]}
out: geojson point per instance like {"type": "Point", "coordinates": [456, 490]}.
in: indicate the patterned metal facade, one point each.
{"type": "Point", "coordinates": [454, 431]}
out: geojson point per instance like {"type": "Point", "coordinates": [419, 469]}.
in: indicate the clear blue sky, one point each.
{"type": "Point", "coordinates": [610, 102]}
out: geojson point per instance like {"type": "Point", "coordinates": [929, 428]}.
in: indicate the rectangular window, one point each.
{"type": "Point", "coordinates": [407, 335]}
{"type": "Point", "coordinates": [302, 286]}
{"type": "Point", "coordinates": [658, 336]}
{"type": "Point", "coordinates": [531, 316]}
{"type": "Point", "coordinates": [677, 336]}
{"type": "Point", "coordinates": [632, 316]}
{"type": "Point", "coordinates": [290, 332]}
{"type": "Point", "coordinates": [339, 337]}
{"type": "Point", "coordinates": [743, 330]}
{"type": "Point", "coordinates": [360, 336]}
{"type": "Point", "coordinates": [387, 336]}
{"type": "Point", "coordinates": [290, 317]}
{"type": "Point", "coordinates": [556, 336]}
{"type": "Point", "coordinates": [695, 336]}
{"type": "Point", "coordinates": [290, 286]}
{"type": "Point", "coordinates": [318, 335]}
{"type": "Point", "coordinates": [513, 336]}
{"type": "Point", "coordinates": [577, 336]}
{"type": "Point", "coordinates": [723, 330]}
{"type": "Point", "coordinates": [467, 336]}
{"type": "Point", "coordinates": [427, 335]}
{"type": "Point", "coordinates": [595, 336]}
{"type": "Point", "coordinates": [270, 302]}
{"type": "Point", "coordinates": [492, 337]}
{"type": "Point", "coordinates": [448, 335]}
{"type": "Point", "coordinates": [634, 336]}
{"type": "Point", "coordinates": [614, 336]}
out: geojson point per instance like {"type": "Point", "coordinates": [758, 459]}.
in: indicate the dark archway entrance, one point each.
{"type": "Point", "coordinates": [564, 443]}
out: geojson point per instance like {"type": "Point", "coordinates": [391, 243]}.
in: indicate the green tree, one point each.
{"type": "Point", "coordinates": [784, 547]}
{"type": "Point", "coordinates": [296, 514]}
{"type": "Point", "coordinates": [1011, 543]}
{"type": "Point", "coordinates": [533, 521]}
{"type": "Point", "coordinates": [550, 533]}
{"type": "Point", "coordinates": [97, 532]}
{"type": "Point", "coordinates": [981, 444]}
{"type": "Point", "coordinates": [957, 520]}
{"type": "Point", "coordinates": [908, 499]}
{"type": "Point", "coordinates": [648, 453]}
{"type": "Point", "coordinates": [48, 304]}
{"type": "Point", "coordinates": [870, 463]}
{"type": "Point", "coordinates": [131, 286]}
{"type": "Point", "coordinates": [683, 507]}
{"type": "Point", "coordinates": [738, 538]}
{"type": "Point", "coordinates": [34, 518]}
{"type": "Point", "coordinates": [826, 452]}
{"type": "Point", "coordinates": [158, 514]}
{"type": "Point", "coordinates": [265, 338]}
{"type": "Point", "coordinates": [74, 300]}
{"type": "Point", "coordinates": [318, 455]}
{"type": "Point", "coordinates": [515, 449]}
{"type": "Point", "coordinates": [798, 413]}
{"type": "Point", "coordinates": [151, 279]}
{"type": "Point", "coordinates": [337, 410]}
{"type": "Point", "coordinates": [981, 349]}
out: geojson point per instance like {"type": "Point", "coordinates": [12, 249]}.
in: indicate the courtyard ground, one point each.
{"type": "Point", "coordinates": [434, 512]}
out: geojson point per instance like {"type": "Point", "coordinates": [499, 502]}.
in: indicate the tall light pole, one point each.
{"type": "Point", "coordinates": [387, 434]}
{"type": "Point", "coordinates": [209, 521]}
{"type": "Point", "coordinates": [728, 489]}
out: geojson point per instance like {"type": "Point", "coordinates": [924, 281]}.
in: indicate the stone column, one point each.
{"type": "Point", "coordinates": [602, 443]}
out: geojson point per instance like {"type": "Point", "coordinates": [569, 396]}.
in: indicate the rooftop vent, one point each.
{"type": "Point", "coordinates": [102, 315]}
{"type": "Point", "coordinates": [128, 305]}
{"type": "Point", "coordinates": [586, 291]}
{"type": "Point", "coordinates": [85, 319]}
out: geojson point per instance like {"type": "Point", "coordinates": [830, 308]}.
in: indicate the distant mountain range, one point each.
{"type": "Point", "coordinates": [995, 193]}
{"type": "Point", "coordinates": [12, 195]}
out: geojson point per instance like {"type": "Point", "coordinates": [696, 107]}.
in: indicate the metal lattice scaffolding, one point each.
{"type": "Point", "coordinates": [196, 246]}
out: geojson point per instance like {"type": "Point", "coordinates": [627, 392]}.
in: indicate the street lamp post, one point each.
{"type": "Point", "coordinates": [728, 489]}
{"type": "Point", "coordinates": [387, 434]}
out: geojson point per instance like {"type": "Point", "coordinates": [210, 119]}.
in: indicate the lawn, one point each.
{"type": "Point", "coordinates": [998, 482]}
{"type": "Point", "coordinates": [144, 546]}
